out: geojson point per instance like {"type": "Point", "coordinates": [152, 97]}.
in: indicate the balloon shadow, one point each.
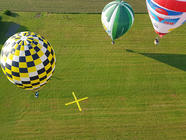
{"type": "Point", "coordinates": [174, 60]}
{"type": "Point", "coordinates": [8, 29]}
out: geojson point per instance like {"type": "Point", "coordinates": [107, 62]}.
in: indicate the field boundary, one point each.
{"type": "Point", "coordinates": [68, 12]}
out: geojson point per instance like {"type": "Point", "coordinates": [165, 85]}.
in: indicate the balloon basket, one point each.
{"type": "Point", "coordinates": [36, 94]}
{"type": "Point", "coordinates": [156, 41]}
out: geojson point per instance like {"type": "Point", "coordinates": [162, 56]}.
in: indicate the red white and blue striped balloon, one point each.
{"type": "Point", "coordinates": [166, 15]}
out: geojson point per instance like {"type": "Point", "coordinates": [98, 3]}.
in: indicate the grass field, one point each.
{"type": "Point", "coordinates": [65, 6]}
{"type": "Point", "coordinates": [136, 91]}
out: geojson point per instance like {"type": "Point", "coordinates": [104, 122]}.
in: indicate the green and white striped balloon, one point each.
{"type": "Point", "coordinates": [117, 18]}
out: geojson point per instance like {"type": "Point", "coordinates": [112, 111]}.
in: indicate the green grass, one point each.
{"type": "Point", "coordinates": [136, 91]}
{"type": "Point", "coordinates": [65, 6]}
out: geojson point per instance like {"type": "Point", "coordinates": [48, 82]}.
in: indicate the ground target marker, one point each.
{"type": "Point", "coordinates": [77, 101]}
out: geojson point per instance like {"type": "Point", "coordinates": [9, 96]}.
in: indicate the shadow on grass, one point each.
{"type": "Point", "coordinates": [11, 14]}
{"type": "Point", "coordinates": [8, 29]}
{"type": "Point", "coordinates": [14, 15]}
{"type": "Point", "coordinates": [174, 60]}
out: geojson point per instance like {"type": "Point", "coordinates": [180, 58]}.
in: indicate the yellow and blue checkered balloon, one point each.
{"type": "Point", "coordinates": [28, 60]}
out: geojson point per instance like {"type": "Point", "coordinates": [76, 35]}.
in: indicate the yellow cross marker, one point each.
{"type": "Point", "coordinates": [76, 101]}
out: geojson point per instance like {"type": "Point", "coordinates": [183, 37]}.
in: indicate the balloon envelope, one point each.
{"type": "Point", "coordinates": [28, 60]}
{"type": "Point", "coordinates": [166, 15]}
{"type": "Point", "coordinates": [117, 18]}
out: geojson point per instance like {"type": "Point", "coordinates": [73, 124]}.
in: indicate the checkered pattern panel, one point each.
{"type": "Point", "coordinates": [28, 60]}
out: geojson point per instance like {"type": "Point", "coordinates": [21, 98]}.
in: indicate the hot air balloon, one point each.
{"type": "Point", "coordinates": [28, 60]}
{"type": "Point", "coordinates": [117, 18]}
{"type": "Point", "coordinates": [166, 15]}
